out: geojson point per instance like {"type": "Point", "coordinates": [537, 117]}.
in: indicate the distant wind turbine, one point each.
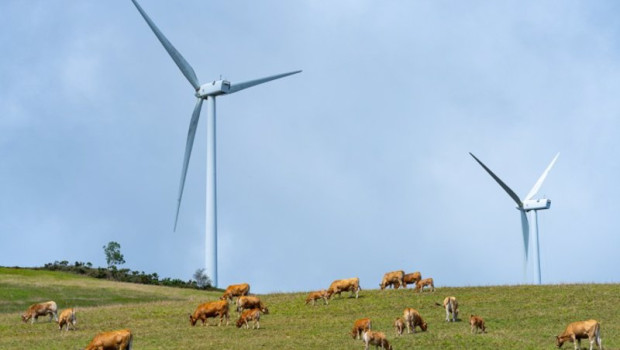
{"type": "Point", "coordinates": [526, 205]}
{"type": "Point", "coordinates": [207, 92]}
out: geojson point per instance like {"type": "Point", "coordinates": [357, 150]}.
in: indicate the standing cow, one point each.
{"type": "Point", "coordinates": [576, 331]}
{"type": "Point", "coordinates": [41, 309]}
{"type": "Point", "coordinates": [339, 286]}
{"type": "Point", "coordinates": [394, 279]}
{"type": "Point", "coordinates": [67, 317]}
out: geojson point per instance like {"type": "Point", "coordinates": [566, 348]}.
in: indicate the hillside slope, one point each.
{"type": "Point", "coordinates": [518, 317]}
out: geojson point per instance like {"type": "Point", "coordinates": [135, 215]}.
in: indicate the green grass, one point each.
{"type": "Point", "coordinates": [517, 317]}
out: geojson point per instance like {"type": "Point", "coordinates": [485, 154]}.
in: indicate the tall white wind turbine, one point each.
{"type": "Point", "coordinates": [208, 92]}
{"type": "Point", "coordinates": [525, 206]}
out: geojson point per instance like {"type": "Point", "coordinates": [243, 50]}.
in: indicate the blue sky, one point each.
{"type": "Point", "coordinates": [355, 167]}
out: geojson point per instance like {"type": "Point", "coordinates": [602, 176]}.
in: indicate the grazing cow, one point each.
{"type": "Point", "coordinates": [419, 286]}
{"type": "Point", "coordinates": [412, 278]}
{"type": "Point", "coordinates": [314, 296]}
{"type": "Point", "coordinates": [394, 279]}
{"type": "Point", "coordinates": [399, 326]}
{"type": "Point", "coordinates": [476, 322]}
{"type": "Point", "coordinates": [359, 327]}
{"type": "Point", "coordinates": [249, 315]}
{"type": "Point", "coordinates": [210, 309]}
{"type": "Point", "coordinates": [114, 340]}
{"type": "Point", "coordinates": [41, 309]}
{"type": "Point", "coordinates": [377, 339]}
{"type": "Point", "coordinates": [251, 302]}
{"type": "Point", "coordinates": [235, 290]}
{"type": "Point", "coordinates": [339, 286]}
{"type": "Point", "coordinates": [413, 319]}
{"type": "Point", "coordinates": [452, 307]}
{"type": "Point", "coordinates": [576, 331]}
{"type": "Point", "coordinates": [67, 317]}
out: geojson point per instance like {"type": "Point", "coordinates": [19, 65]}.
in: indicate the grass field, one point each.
{"type": "Point", "coordinates": [517, 317]}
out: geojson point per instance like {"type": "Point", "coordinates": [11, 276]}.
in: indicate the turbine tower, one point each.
{"type": "Point", "coordinates": [208, 92]}
{"type": "Point", "coordinates": [525, 206]}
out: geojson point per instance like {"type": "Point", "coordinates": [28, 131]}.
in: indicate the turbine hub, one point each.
{"type": "Point", "coordinates": [214, 88]}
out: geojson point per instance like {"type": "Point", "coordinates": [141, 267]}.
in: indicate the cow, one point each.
{"type": "Point", "coordinates": [235, 290]}
{"type": "Point", "coordinates": [359, 327]}
{"type": "Point", "coordinates": [251, 302]}
{"type": "Point", "coordinates": [314, 296]}
{"type": "Point", "coordinates": [476, 322]}
{"type": "Point", "coordinates": [113, 340]}
{"type": "Point", "coordinates": [377, 339]}
{"type": "Point", "coordinates": [66, 318]}
{"type": "Point", "coordinates": [452, 307]}
{"type": "Point", "coordinates": [394, 279]}
{"type": "Point", "coordinates": [413, 319]}
{"type": "Point", "coordinates": [576, 331]}
{"type": "Point", "coordinates": [41, 309]}
{"type": "Point", "coordinates": [412, 278]}
{"type": "Point", "coordinates": [249, 315]}
{"type": "Point", "coordinates": [210, 309]}
{"type": "Point", "coordinates": [339, 286]}
{"type": "Point", "coordinates": [419, 286]}
{"type": "Point", "coordinates": [399, 326]}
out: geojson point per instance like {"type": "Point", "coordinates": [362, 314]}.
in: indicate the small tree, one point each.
{"type": "Point", "coordinates": [113, 254]}
{"type": "Point", "coordinates": [202, 280]}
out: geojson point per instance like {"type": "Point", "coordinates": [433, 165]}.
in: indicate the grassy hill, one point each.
{"type": "Point", "coordinates": [517, 317]}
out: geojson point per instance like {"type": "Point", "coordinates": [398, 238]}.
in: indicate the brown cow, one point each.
{"type": "Point", "coordinates": [412, 278]}
{"type": "Point", "coordinates": [249, 315]}
{"type": "Point", "coordinates": [399, 326]}
{"type": "Point", "coordinates": [452, 307]}
{"type": "Point", "coordinates": [235, 290]}
{"type": "Point", "coordinates": [576, 331]}
{"type": "Point", "coordinates": [67, 317]}
{"type": "Point", "coordinates": [413, 319]}
{"type": "Point", "coordinates": [210, 309]}
{"type": "Point", "coordinates": [476, 322]}
{"type": "Point", "coordinates": [394, 279]}
{"type": "Point", "coordinates": [419, 286]}
{"type": "Point", "coordinates": [314, 296]}
{"type": "Point", "coordinates": [114, 340]}
{"type": "Point", "coordinates": [41, 309]}
{"type": "Point", "coordinates": [359, 327]}
{"type": "Point", "coordinates": [339, 286]}
{"type": "Point", "coordinates": [377, 339]}
{"type": "Point", "coordinates": [251, 302]}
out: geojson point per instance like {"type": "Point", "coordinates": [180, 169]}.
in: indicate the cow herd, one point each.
{"type": "Point", "coordinates": [411, 318]}
{"type": "Point", "coordinates": [250, 308]}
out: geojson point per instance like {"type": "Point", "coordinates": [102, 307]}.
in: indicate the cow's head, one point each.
{"type": "Point", "coordinates": [26, 317]}
{"type": "Point", "coordinates": [382, 285]}
{"type": "Point", "coordinates": [264, 310]}
{"type": "Point", "coordinates": [424, 326]}
{"type": "Point", "coordinates": [240, 322]}
{"type": "Point", "coordinates": [192, 320]}
{"type": "Point", "coordinates": [559, 341]}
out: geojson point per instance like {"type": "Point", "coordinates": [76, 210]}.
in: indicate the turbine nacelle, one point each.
{"type": "Point", "coordinates": [536, 204]}
{"type": "Point", "coordinates": [214, 88]}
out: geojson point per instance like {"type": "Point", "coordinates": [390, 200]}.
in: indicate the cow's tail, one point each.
{"type": "Point", "coordinates": [597, 336]}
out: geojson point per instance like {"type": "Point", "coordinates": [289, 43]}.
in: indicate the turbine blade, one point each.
{"type": "Point", "coordinates": [185, 68]}
{"type": "Point", "coordinates": [191, 133]}
{"type": "Point", "coordinates": [247, 84]}
{"type": "Point", "coordinates": [510, 192]}
{"type": "Point", "coordinates": [525, 225]}
{"type": "Point", "coordinates": [538, 183]}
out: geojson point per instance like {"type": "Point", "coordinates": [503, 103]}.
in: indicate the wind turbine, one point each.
{"type": "Point", "coordinates": [207, 91]}
{"type": "Point", "coordinates": [525, 206]}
